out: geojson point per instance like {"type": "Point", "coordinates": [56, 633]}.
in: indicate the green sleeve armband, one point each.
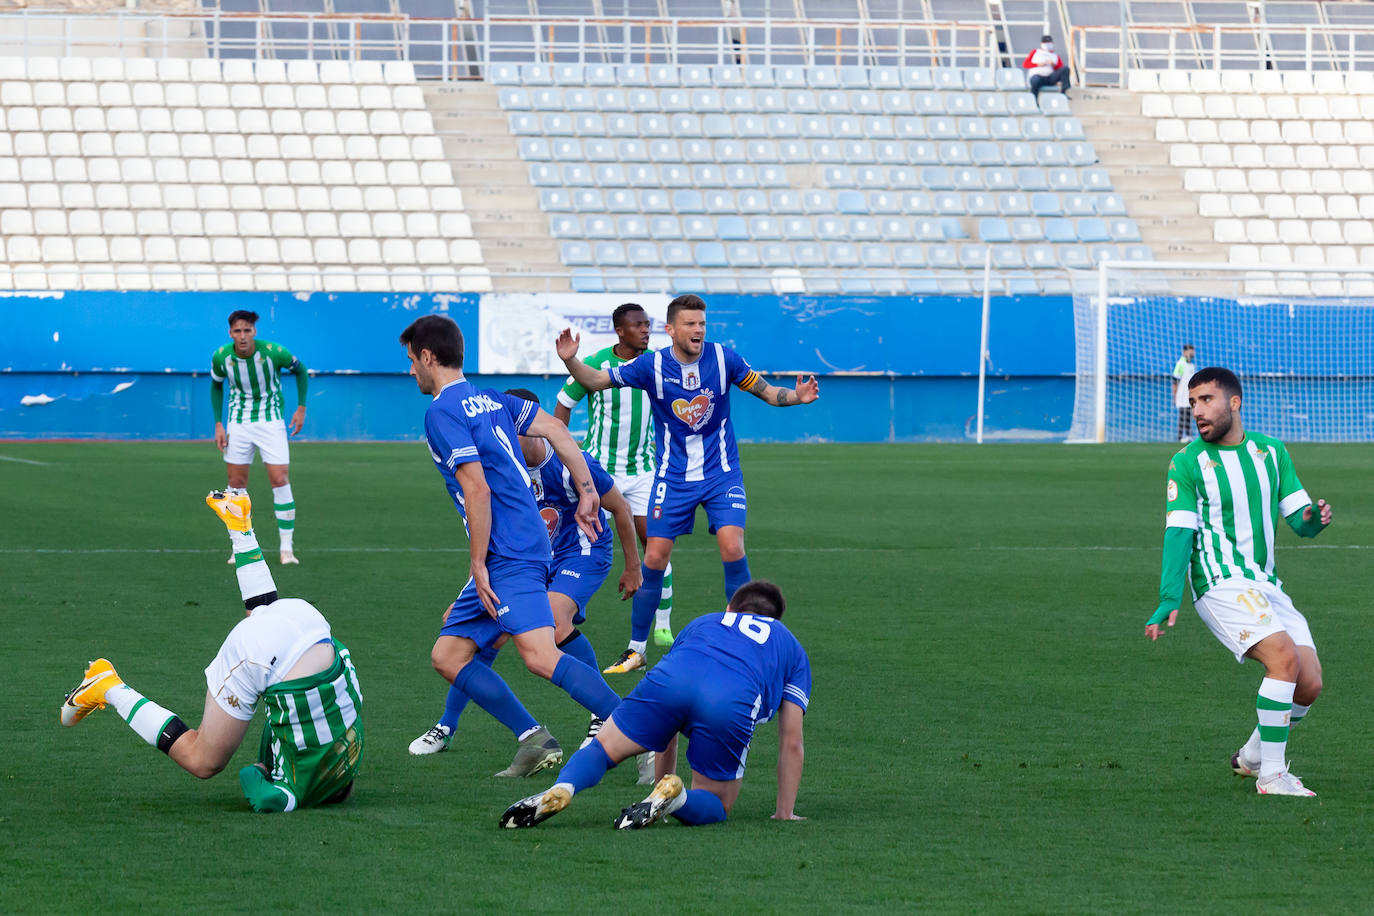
{"type": "Point", "coordinates": [217, 399]}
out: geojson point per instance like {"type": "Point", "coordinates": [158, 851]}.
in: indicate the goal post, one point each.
{"type": "Point", "coordinates": [1301, 340]}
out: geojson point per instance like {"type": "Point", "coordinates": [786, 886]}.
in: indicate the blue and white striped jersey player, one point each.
{"type": "Point", "coordinates": [580, 565]}
{"type": "Point", "coordinates": [472, 436]}
{"type": "Point", "coordinates": [698, 460]}
{"type": "Point", "coordinates": [724, 674]}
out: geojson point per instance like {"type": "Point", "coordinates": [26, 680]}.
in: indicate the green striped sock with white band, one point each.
{"type": "Point", "coordinates": [1274, 706]}
{"type": "Point", "coordinates": [1251, 752]}
{"type": "Point", "coordinates": [145, 717]}
{"type": "Point", "coordinates": [284, 504]}
{"type": "Point", "coordinates": [255, 578]}
{"type": "Point", "coordinates": [664, 615]}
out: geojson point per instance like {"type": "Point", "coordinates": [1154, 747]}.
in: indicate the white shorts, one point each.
{"type": "Point", "coordinates": [268, 437]}
{"type": "Point", "coordinates": [1240, 613]}
{"type": "Point", "coordinates": [636, 489]}
{"type": "Point", "coordinates": [260, 651]}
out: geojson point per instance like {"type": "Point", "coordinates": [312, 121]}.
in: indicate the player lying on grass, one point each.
{"type": "Point", "coordinates": [580, 564]}
{"type": "Point", "coordinates": [281, 654]}
{"type": "Point", "coordinates": [1227, 491]}
{"type": "Point", "coordinates": [724, 674]}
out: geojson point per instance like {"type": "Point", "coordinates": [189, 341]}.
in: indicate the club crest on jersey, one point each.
{"type": "Point", "coordinates": [691, 380]}
{"type": "Point", "coordinates": [697, 411]}
{"type": "Point", "coordinates": [551, 520]}
{"type": "Point", "coordinates": [537, 485]}
{"type": "Point", "coordinates": [1258, 451]}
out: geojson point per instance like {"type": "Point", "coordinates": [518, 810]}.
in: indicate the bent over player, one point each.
{"type": "Point", "coordinates": [1227, 490]}
{"type": "Point", "coordinates": [282, 656]}
{"type": "Point", "coordinates": [257, 414]}
{"type": "Point", "coordinates": [724, 674]}
{"type": "Point", "coordinates": [698, 461]}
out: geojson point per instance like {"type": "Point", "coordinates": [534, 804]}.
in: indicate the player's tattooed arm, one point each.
{"type": "Point", "coordinates": [807, 390]}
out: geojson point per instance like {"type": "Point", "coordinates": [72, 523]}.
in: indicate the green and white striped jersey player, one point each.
{"type": "Point", "coordinates": [620, 435]}
{"type": "Point", "coordinates": [282, 657]}
{"type": "Point", "coordinates": [1226, 492]}
{"type": "Point", "coordinates": [256, 419]}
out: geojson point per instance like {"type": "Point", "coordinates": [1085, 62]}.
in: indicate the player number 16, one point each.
{"type": "Point", "coordinates": [748, 624]}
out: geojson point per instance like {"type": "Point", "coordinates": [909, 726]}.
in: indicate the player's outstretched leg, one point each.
{"type": "Point", "coordinates": [102, 687]}
{"type": "Point", "coordinates": [89, 695]}
{"type": "Point", "coordinates": [668, 795]}
{"type": "Point", "coordinates": [440, 736]}
{"type": "Point", "coordinates": [255, 579]}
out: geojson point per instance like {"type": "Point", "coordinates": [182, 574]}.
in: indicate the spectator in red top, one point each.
{"type": "Point", "coordinates": [1046, 68]}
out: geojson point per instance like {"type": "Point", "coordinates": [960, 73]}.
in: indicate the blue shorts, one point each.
{"type": "Point", "coordinates": [521, 586]}
{"type": "Point", "coordinates": [579, 577]}
{"type": "Point", "coordinates": [716, 713]}
{"type": "Point", "coordinates": [673, 505]}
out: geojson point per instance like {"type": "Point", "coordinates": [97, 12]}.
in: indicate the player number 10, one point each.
{"type": "Point", "coordinates": [1252, 600]}
{"type": "Point", "coordinates": [749, 625]}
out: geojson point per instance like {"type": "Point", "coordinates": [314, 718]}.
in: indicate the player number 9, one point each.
{"type": "Point", "coordinates": [749, 625]}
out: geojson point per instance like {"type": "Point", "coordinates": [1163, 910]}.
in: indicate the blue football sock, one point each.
{"type": "Point", "coordinates": [457, 700]}
{"type": "Point", "coordinates": [486, 688]}
{"type": "Point", "coordinates": [580, 647]}
{"type": "Point", "coordinates": [645, 604]}
{"type": "Point", "coordinates": [586, 767]}
{"type": "Point", "coordinates": [701, 807]}
{"type": "Point", "coordinates": [736, 574]}
{"type": "Point", "coordinates": [586, 686]}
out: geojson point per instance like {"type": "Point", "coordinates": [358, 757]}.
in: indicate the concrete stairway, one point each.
{"type": "Point", "coordinates": [503, 206]}
{"type": "Point", "coordinates": [1141, 173]}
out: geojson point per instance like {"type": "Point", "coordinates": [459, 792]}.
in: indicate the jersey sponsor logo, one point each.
{"type": "Point", "coordinates": [569, 572]}
{"type": "Point", "coordinates": [479, 404]}
{"type": "Point", "coordinates": [695, 412]}
{"type": "Point", "coordinates": [1244, 635]}
{"type": "Point", "coordinates": [1205, 462]}
{"type": "Point", "coordinates": [551, 520]}
{"type": "Point", "coordinates": [232, 701]}
{"type": "Point", "coordinates": [1172, 491]}
{"type": "Point", "coordinates": [503, 610]}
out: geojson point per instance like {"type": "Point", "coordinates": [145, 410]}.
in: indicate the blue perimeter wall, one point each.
{"type": "Point", "coordinates": [135, 365]}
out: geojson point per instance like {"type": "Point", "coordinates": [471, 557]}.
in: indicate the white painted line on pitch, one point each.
{"type": "Point", "coordinates": [1011, 548]}
{"type": "Point", "coordinates": [23, 460]}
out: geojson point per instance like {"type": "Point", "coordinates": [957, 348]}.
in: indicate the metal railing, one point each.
{"type": "Point", "coordinates": [449, 49]}
{"type": "Point", "coordinates": [1104, 55]}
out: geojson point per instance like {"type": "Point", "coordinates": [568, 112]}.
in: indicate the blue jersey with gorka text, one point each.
{"type": "Point", "coordinates": [465, 423]}
{"type": "Point", "coordinates": [757, 650]}
{"type": "Point", "coordinates": [556, 495]}
{"type": "Point", "coordinates": [691, 406]}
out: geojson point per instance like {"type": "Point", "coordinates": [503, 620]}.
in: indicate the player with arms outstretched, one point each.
{"type": "Point", "coordinates": [698, 460]}
{"type": "Point", "coordinates": [257, 411]}
{"type": "Point", "coordinates": [282, 657]}
{"type": "Point", "coordinates": [724, 674]}
{"type": "Point", "coordinates": [620, 435]}
{"type": "Point", "coordinates": [472, 435]}
{"type": "Point", "coordinates": [1227, 491]}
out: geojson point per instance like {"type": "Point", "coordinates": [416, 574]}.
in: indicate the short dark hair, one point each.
{"type": "Point", "coordinates": [1047, 38]}
{"type": "Point", "coordinates": [1226, 380]}
{"type": "Point", "coordinates": [523, 393]}
{"type": "Point", "coordinates": [618, 316]}
{"type": "Point", "coordinates": [439, 335]}
{"type": "Point", "coordinates": [243, 315]}
{"type": "Point", "coordinates": [759, 597]}
{"type": "Point", "coordinates": [685, 302]}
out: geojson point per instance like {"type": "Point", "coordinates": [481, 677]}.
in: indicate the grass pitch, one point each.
{"type": "Point", "coordinates": [990, 731]}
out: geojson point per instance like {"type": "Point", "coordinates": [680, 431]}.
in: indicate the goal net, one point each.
{"type": "Point", "coordinates": [1301, 341]}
